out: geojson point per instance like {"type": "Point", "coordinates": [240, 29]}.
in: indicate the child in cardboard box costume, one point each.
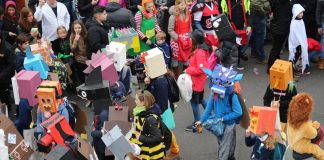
{"type": "Point", "coordinates": [50, 101]}
{"type": "Point", "coordinates": [226, 107]}
{"type": "Point", "coordinates": [281, 88]}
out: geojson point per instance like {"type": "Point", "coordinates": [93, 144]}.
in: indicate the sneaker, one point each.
{"type": "Point", "coordinates": [263, 62]}
{"type": "Point", "coordinates": [244, 57]}
{"type": "Point", "coordinates": [172, 156]}
{"type": "Point", "coordinates": [307, 71]}
{"type": "Point", "coordinates": [240, 68]}
{"type": "Point", "coordinates": [189, 128]}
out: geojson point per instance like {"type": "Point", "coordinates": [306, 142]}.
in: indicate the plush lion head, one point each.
{"type": "Point", "coordinates": [300, 108]}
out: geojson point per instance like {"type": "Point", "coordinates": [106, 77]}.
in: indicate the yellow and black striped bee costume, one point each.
{"type": "Point", "coordinates": [154, 151]}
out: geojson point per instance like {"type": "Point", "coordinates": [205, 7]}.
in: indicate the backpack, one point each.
{"type": "Point", "coordinates": [174, 92]}
{"type": "Point", "coordinates": [244, 120]}
{"type": "Point", "coordinates": [165, 132]}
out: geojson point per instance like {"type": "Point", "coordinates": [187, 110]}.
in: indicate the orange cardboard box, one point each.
{"type": "Point", "coordinates": [281, 74]}
{"type": "Point", "coordinates": [49, 96]}
{"type": "Point", "coordinates": [263, 120]}
{"type": "Point", "coordinates": [44, 50]}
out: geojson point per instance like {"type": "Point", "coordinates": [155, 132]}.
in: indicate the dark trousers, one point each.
{"type": "Point", "coordinates": [5, 98]}
{"type": "Point", "coordinates": [277, 44]}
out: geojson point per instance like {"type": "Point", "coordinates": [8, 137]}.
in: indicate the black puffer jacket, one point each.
{"type": "Point", "coordinates": [132, 5]}
{"type": "Point", "coordinates": [10, 25]}
{"type": "Point", "coordinates": [85, 8]}
{"type": "Point", "coordinates": [320, 13]}
{"type": "Point", "coordinates": [97, 36]}
{"type": "Point", "coordinates": [284, 100]}
{"type": "Point", "coordinates": [227, 53]}
{"type": "Point", "coordinates": [151, 134]}
{"type": "Point", "coordinates": [118, 16]}
{"type": "Point", "coordinates": [282, 13]}
{"type": "Point", "coordinates": [7, 64]}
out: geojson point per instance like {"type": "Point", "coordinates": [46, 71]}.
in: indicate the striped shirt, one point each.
{"type": "Point", "coordinates": [138, 19]}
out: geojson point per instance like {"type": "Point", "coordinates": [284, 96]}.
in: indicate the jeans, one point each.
{"type": "Point", "coordinates": [322, 41]}
{"type": "Point", "coordinates": [312, 54]}
{"type": "Point", "coordinates": [195, 109]}
{"type": "Point", "coordinates": [258, 36]}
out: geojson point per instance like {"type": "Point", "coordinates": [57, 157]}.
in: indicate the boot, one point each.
{"type": "Point", "coordinates": [320, 64]}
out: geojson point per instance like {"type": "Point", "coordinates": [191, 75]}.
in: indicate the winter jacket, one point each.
{"type": "Point", "coordinates": [159, 87]}
{"type": "Point", "coordinates": [198, 61]}
{"type": "Point", "coordinates": [132, 5]}
{"type": "Point", "coordinates": [97, 36]}
{"type": "Point", "coordinates": [260, 152]}
{"type": "Point", "coordinates": [20, 56]}
{"type": "Point", "coordinates": [50, 21]}
{"type": "Point", "coordinates": [7, 64]}
{"type": "Point", "coordinates": [98, 144]}
{"type": "Point", "coordinates": [85, 8]}
{"type": "Point", "coordinates": [285, 99]}
{"type": "Point", "coordinates": [125, 16]}
{"type": "Point", "coordinates": [237, 12]}
{"type": "Point", "coordinates": [282, 15]}
{"type": "Point", "coordinates": [165, 48]}
{"type": "Point", "coordinates": [260, 7]}
{"type": "Point", "coordinates": [150, 139]}
{"type": "Point", "coordinates": [41, 117]}
{"type": "Point", "coordinates": [61, 47]}
{"type": "Point", "coordinates": [222, 109]}
{"type": "Point", "coordinates": [10, 24]}
{"type": "Point", "coordinates": [313, 45]}
{"type": "Point", "coordinates": [227, 53]}
{"type": "Point", "coordinates": [320, 13]}
{"type": "Point", "coordinates": [79, 49]}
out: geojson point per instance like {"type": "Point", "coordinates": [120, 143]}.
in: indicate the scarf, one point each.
{"type": "Point", "coordinates": [297, 36]}
{"type": "Point", "coordinates": [138, 109]}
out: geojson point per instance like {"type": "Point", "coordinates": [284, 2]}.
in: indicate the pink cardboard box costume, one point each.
{"type": "Point", "coordinates": [108, 69]}
{"type": "Point", "coordinates": [28, 81]}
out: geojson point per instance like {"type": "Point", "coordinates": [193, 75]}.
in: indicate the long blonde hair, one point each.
{"type": "Point", "coordinates": [183, 15]}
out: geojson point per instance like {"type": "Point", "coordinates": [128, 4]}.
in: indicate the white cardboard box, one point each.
{"type": "Point", "coordinates": [154, 63]}
{"type": "Point", "coordinates": [117, 53]}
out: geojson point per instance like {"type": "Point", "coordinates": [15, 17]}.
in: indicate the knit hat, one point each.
{"type": "Point", "coordinates": [10, 3]}
{"type": "Point", "coordinates": [197, 36]}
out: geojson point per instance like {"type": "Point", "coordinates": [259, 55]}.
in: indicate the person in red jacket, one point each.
{"type": "Point", "coordinates": [198, 61]}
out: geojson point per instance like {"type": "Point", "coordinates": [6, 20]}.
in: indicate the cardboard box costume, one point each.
{"type": "Point", "coordinates": [263, 120]}
{"type": "Point", "coordinates": [117, 53]}
{"type": "Point", "coordinates": [49, 95]}
{"type": "Point", "coordinates": [281, 74]}
{"type": "Point", "coordinates": [15, 142]}
{"type": "Point", "coordinates": [97, 90]}
{"type": "Point", "coordinates": [25, 84]}
{"type": "Point", "coordinates": [154, 62]}
{"type": "Point", "coordinates": [127, 36]}
{"type": "Point", "coordinates": [108, 69]}
{"type": "Point", "coordinates": [57, 130]}
{"type": "Point", "coordinates": [35, 63]}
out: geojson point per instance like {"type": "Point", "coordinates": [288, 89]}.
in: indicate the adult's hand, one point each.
{"type": "Point", "coordinates": [94, 2]}
{"type": "Point", "coordinates": [248, 30]}
{"type": "Point", "coordinates": [320, 31]}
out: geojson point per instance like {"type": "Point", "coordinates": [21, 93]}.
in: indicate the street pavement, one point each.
{"type": "Point", "coordinates": [204, 146]}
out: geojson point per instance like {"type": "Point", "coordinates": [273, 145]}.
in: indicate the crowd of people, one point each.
{"type": "Point", "coordinates": [189, 38]}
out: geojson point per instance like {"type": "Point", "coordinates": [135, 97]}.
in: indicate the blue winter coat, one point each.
{"type": "Point", "coordinates": [222, 109]}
